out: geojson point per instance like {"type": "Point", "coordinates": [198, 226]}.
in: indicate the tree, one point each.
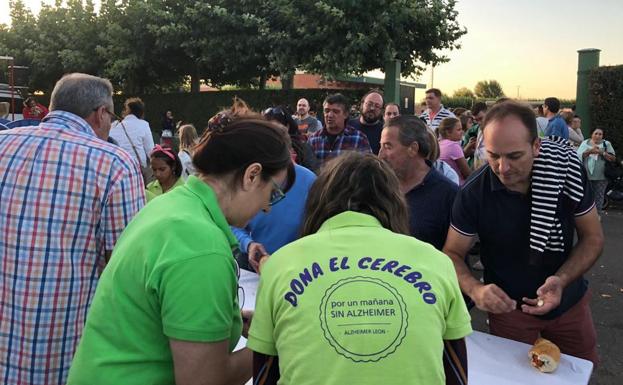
{"type": "Point", "coordinates": [66, 41]}
{"type": "Point", "coordinates": [488, 89]}
{"type": "Point", "coordinates": [132, 55]}
{"type": "Point", "coordinates": [223, 42]}
{"type": "Point", "coordinates": [19, 40]}
{"type": "Point", "coordinates": [463, 92]}
{"type": "Point", "coordinates": [337, 37]}
{"type": "Point", "coordinates": [158, 45]}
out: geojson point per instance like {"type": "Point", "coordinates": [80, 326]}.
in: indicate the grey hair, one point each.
{"type": "Point", "coordinates": [411, 129]}
{"type": "Point", "coordinates": [81, 94]}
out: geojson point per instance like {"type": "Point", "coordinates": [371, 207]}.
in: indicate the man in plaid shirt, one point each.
{"type": "Point", "coordinates": [337, 137]}
{"type": "Point", "coordinates": [67, 195]}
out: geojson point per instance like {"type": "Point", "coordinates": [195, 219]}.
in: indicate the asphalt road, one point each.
{"type": "Point", "coordinates": [606, 282]}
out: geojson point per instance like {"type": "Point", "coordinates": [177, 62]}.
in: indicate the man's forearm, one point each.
{"type": "Point", "coordinates": [467, 282]}
{"type": "Point", "coordinates": [582, 258]}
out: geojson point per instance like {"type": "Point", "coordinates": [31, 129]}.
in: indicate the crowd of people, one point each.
{"type": "Point", "coordinates": [120, 258]}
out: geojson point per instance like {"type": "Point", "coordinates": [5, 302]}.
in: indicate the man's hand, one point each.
{"type": "Point", "coordinates": [255, 252]}
{"type": "Point", "coordinates": [492, 299]}
{"type": "Point", "coordinates": [549, 295]}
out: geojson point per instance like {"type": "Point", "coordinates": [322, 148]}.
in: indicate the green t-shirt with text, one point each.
{"type": "Point", "coordinates": [358, 304]}
{"type": "Point", "coordinates": [171, 276]}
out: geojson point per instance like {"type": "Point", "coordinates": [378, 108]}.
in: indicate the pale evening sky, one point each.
{"type": "Point", "coordinates": [530, 44]}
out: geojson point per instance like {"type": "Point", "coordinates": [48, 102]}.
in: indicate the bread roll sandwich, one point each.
{"type": "Point", "coordinates": [544, 355]}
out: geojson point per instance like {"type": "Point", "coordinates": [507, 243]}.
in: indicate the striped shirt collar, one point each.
{"type": "Point", "coordinates": [69, 120]}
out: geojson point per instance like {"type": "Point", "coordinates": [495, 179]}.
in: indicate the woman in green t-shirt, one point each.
{"type": "Point", "coordinates": [166, 307]}
{"type": "Point", "coordinates": [357, 300]}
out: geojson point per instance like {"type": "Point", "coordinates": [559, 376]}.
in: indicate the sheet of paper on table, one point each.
{"type": "Point", "coordinates": [491, 360]}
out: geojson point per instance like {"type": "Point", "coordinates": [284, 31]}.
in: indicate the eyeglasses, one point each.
{"type": "Point", "coordinates": [373, 105]}
{"type": "Point", "coordinates": [241, 294]}
{"type": "Point", "coordinates": [113, 117]}
{"type": "Point", "coordinates": [276, 195]}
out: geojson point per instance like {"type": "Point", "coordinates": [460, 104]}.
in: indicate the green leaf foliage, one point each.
{"type": "Point", "coordinates": [151, 46]}
{"type": "Point", "coordinates": [606, 103]}
{"type": "Point", "coordinates": [488, 89]}
{"type": "Point", "coordinates": [464, 92]}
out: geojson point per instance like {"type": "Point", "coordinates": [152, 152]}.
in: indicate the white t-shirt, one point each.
{"type": "Point", "coordinates": [140, 135]}
{"type": "Point", "coordinates": [187, 164]}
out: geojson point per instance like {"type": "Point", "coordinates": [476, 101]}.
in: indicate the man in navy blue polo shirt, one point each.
{"type": "Point", "coordinates": [405, 146]}
{"type": "Point", "coordinates": [527, 293]}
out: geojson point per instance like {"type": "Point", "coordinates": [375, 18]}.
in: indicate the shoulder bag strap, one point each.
{"type": "Point", "coordinates": [130, 140]}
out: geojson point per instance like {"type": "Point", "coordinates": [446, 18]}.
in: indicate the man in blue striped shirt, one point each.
{"type": "Point", "coordinates": [435, 111]}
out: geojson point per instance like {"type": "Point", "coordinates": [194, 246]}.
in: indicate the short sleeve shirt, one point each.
{"type": "Point", "coordinates": [430, 204]}
{"type": "Point", "coordinates": [436, 119]}
{"type": "Point", "coordinates": [309, 125]}
{"type": "Point", "coordinates": [450, 152]}
{"type": "Point", "coordinates": [155, 188]}
{"type": "Point", "coordinates": [501, 219]}
{"type": "Point", "coordinates": [171, 276]}
{"type": "Point", "coordinates": [355, 303]}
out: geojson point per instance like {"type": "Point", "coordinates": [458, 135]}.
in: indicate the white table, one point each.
{"type": "Point", "coordinates": [491, 360]}
{"type": "Point", "coordinates": [495, 360]}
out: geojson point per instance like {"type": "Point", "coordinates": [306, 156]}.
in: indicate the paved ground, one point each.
{"type": "Point", "coordinates": [606, 281]}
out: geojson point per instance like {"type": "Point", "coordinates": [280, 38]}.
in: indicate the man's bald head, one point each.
{"type": "Point", "coordinates": [302, 107]}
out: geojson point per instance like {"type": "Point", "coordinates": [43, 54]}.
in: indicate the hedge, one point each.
{"type": "Point", "coordinates": [606, 103]}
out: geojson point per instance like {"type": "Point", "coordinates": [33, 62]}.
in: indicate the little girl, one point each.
{"type": "Point", "coordinates": [450, 151]}
{"type": "Point", "coordinates": [167, 170]}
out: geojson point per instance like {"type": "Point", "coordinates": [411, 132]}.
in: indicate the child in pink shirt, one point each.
{"type": "Point", "coordinates": [450, 151]}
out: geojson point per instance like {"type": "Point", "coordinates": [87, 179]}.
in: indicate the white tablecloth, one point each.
{"type": "Point", "coordinates": [491, 360]}
{"type": "Point", "coordinates": [500, 361]}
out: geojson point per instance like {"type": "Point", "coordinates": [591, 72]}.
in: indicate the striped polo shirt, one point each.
{"type": "Point", "coordinates": [441, 115]}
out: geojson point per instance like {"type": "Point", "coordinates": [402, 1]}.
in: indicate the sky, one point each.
{"type": "Point", "coordinates": [529, 46]}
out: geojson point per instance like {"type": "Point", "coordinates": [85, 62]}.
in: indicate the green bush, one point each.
{"type": "Point", "coordinates": [606, 103]}
{"type": "Point", "coordinates": [198, 108]}
{"type": "Point", "coordinates": [456, 102]}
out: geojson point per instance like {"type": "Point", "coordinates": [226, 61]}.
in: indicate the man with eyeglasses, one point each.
{"type": "Point", "coordinates": [267, 232]}
{"type": "Point", "coordinates": [435, 111]}
{"type": "Point", "coordinates": [370, 122]}
{"type": "Point", "coordinates": [67, 195]}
